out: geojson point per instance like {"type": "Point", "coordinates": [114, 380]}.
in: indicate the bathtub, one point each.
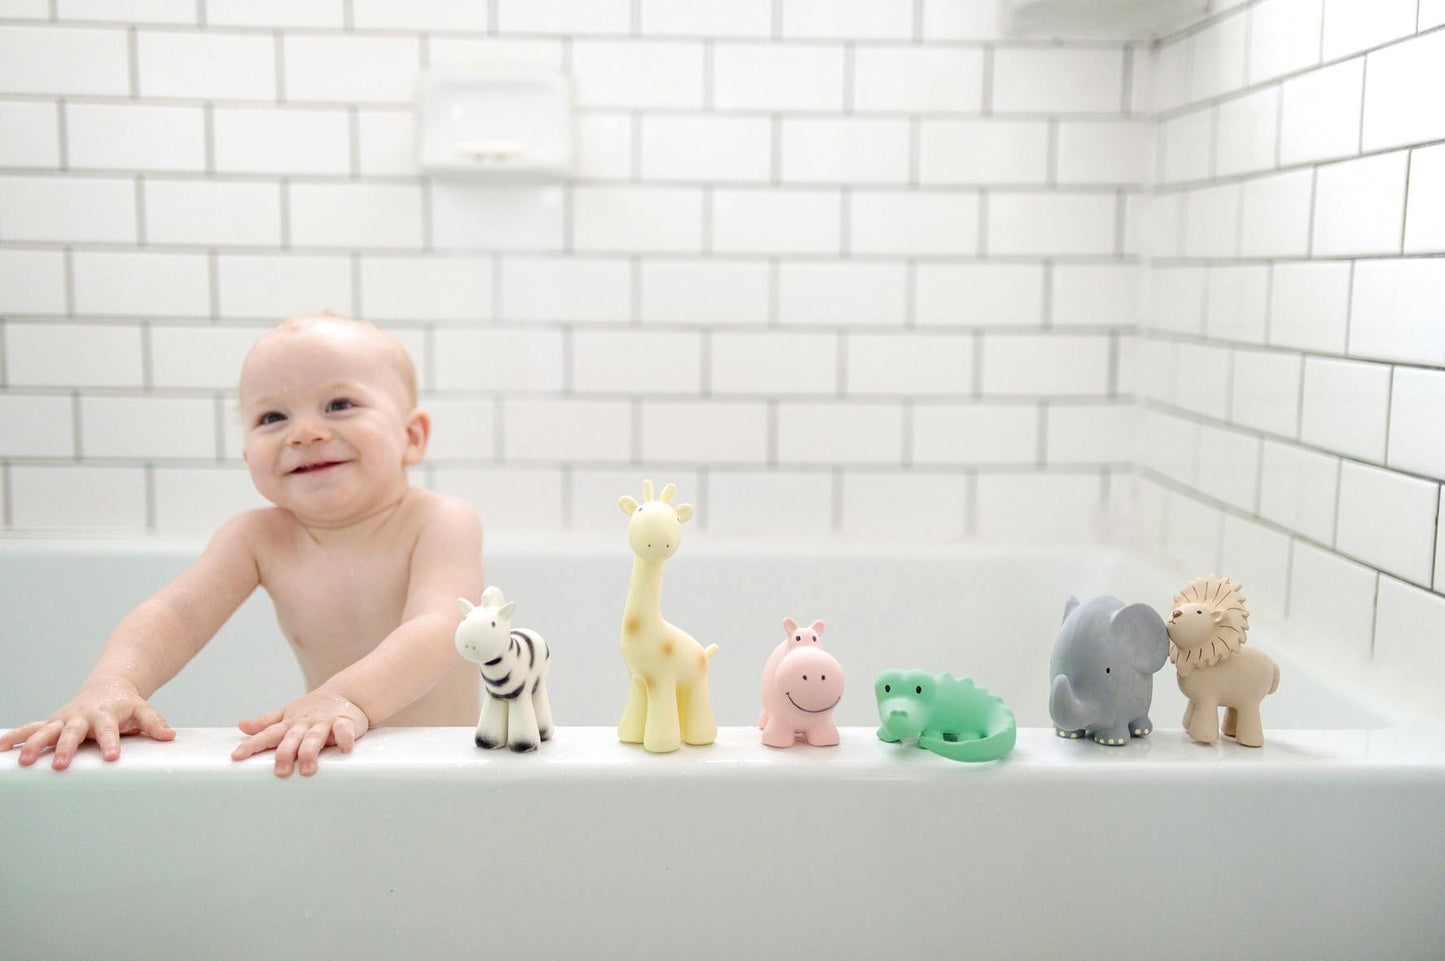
{"type": "Point", "coordinates": [1326, 843]}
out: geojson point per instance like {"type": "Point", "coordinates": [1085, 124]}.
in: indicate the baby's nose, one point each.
{"type": "Point", "coordinates": [305, 431]}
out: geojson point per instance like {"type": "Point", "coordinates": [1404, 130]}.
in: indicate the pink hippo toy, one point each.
{"type": "Point", "coordinates": [802, 683]}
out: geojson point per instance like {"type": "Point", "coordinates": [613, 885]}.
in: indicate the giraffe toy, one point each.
{"type": "Point", "coordinates": [668, 701]}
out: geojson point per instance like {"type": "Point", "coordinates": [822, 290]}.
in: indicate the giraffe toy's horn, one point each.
{"type": "Point", "coordinates": [646, 491]}
{"type": "Point", "coordinates": [668, 492]}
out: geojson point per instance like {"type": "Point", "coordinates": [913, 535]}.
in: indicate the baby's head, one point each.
{"type": "Point", "coordinates": [328, 405]}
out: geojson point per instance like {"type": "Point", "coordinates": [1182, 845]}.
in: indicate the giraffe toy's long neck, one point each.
{"type": "Point", "coordinates": [644, 591]}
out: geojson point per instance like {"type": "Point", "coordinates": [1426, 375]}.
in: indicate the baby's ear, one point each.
{"type": "Point", "coordinates": [418, 431]}
{"type": "Point", "coordinates": [684, 513]}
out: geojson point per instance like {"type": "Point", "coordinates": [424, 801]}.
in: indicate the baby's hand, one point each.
{"type": "Point", "coordinates": [103, 709]}
{"type": "Point", "coordinates": [301, 729]}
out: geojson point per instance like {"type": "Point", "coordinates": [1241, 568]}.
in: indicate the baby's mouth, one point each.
{"type": "Point", "coordinates": [319, 466]}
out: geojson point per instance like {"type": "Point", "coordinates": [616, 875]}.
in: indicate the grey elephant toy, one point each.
{"type": "Point", "coordinates": [1103, 669]}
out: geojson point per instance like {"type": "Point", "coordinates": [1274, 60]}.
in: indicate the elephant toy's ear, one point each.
{"type": "Point", "coordinates": [1069, 606]}
{"type": "Point", "coordinates": [1144, 635]}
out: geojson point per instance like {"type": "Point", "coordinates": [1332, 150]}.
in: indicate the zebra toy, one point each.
{"type": "Point", "coordinates": [514, 664]}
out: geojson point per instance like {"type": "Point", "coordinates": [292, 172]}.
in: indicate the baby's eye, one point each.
{"type": "Point", "coordinates": [340, 403]}
{"type": "Point", "coordinates": [270, 417]}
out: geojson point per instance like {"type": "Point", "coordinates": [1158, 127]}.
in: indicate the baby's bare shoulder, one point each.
{"type": "Point", "coordinates": [263, 531]}
{"type": "Point", "coordinates": [431, 508]}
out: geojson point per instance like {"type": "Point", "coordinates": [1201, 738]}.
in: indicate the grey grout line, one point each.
{"type": "Point", "coordinates": [1191, 103]}
{"type": "Point", "coordinates": [1375, 613]}
{"type": "Point", "coordinates": [281, 58]}
{"type": "Point", "coordinates": [62, 135]}
{"type": "Point", "coordinates": [986, 106]}
{"type": "Point", "coordinates": [1405, 207]}
{"type": "Point", "coordinates": [133, 61]}
{"type": "Point", "coordinates": [140, 211]}
{"type": "Point", "coordinates": [1186, 186]}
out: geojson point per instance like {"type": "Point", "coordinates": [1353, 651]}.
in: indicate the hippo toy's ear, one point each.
{"type": "Point", "coordinates": [684, 513]}
{"type": "Point", "coordinates": [506, 609]}
{"type": "Point", "coordinates": [628, 504]}
{"type": "Point", "coordinates": [818, 627]}
{"type": "Point", "coordinates": [1144, 636]}
{"type": "Point", "coordinates": [492, 597]}
{"type": "Point", "coordinates": [465, 606]}
{"type": "Point", "coordinates": [790, 625]}
{"type": "Point", "coordinates": [1069, 606]}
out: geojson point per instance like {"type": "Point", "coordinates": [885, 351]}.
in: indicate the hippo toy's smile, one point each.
{"type": "Point", "coordinates": [789, 696]}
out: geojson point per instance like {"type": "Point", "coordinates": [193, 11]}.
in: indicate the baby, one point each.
{"type": "Point", "coordinates": [364, 569]}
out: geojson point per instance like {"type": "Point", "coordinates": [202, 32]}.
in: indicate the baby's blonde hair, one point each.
{"type": "Point", "coordinates": [405, 369]}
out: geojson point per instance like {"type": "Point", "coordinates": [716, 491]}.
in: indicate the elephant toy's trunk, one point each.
{"type": "Point", "coordinates": [1067, 711]}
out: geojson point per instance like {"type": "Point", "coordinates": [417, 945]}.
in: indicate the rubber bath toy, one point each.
{"type": "Point", "coordinates": [668, 702]}
{"type": "Point", "coordinates": [514, 661]}
{"type": "Point", "coordinates": [1103, 667]}
{"type": "Point", "coordinates": [802, 683]}
{"type": "Point", "coordinates": [949, 716]}
{"type": "Point", "coordinates": [1207, 631]}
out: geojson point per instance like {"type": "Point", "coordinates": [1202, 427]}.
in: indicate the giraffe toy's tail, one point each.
{"type": "Point", "coordinates": [709, 651]}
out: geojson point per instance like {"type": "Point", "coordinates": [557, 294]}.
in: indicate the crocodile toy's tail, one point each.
{"type": "Point", "coordinates": [1002, 733]}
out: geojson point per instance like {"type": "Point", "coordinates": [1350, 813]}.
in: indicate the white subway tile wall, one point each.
{"type": "Point", "coordinates": [870, 269]}
{"type": "Point", "coordinates": [1323, 455]}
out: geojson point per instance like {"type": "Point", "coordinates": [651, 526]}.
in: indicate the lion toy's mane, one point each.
{"type": "Point", "coordinates": [1216, 594]}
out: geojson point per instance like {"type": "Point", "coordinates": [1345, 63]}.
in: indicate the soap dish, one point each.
{"type": "Point", "coordinates": [495, 122]}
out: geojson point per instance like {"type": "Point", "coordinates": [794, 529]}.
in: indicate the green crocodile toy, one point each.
{"type": "Point", "coordinates": [949, 716]}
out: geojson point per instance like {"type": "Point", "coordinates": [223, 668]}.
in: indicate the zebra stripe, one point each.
{"type": "Point", "coordinates": [525, 677]}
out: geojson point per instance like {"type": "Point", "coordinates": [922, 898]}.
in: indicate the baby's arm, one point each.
{"type": "Point", "coordinates": [145, 650]}
{"type": "Point", "coordinates": [446, 564]}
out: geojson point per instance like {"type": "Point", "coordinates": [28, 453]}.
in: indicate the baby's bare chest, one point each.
{"type": "Point", "coordinates": [337, 602]}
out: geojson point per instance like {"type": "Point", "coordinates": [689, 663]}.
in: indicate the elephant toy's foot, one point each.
{"type": "Point", "coordinates": [1071, 735]}
{"type": "Point", "coordinates": [1115, 737]}
{"type": "Point", "coordinates": [1141, 727]}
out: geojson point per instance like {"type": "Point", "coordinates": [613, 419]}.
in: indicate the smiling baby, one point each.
{"type": "Point", "coordinates": [363, 568]}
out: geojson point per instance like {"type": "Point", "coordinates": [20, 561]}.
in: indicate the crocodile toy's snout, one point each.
{"type": "Point", "coordinates": [899, 720]}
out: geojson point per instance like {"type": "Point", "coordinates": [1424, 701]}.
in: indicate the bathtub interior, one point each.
{"type": "Point", "coordinates": [990, 613]}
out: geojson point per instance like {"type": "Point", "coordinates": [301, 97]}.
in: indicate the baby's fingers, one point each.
{"type": "Point", "coordinates": [345, 732]}
{"type": "Point", "coordinates": [256, 725]}
{"type": "Point", "coordinates": [286, 750]}
{"type": "Point", "coordinates": [39, 741]}
{"type": "Point", "coordinates": [19, 735]}
{"type": "Point", "coordinates": [261, 741]}
{"type": "Point", "coordinates": [311, 746]}
{"type": "Point", "coordinates": [107, 736]}
{"type": "Point", "coordinates": [71, 737]}
{"type": "Point", "coordinates": [152, 724]}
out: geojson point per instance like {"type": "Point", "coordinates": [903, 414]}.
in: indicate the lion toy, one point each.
{"type": "Point", "coordinates": [1207, 630]}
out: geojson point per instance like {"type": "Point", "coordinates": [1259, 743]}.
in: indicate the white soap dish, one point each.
{"type": "Point", "coordinates": [495, 122]}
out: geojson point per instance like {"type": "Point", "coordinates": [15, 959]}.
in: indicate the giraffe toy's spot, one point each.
{"type": "Point", "coordinates": [667, 649]}
{"type": "Point", "coordinates": [630, 625]}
